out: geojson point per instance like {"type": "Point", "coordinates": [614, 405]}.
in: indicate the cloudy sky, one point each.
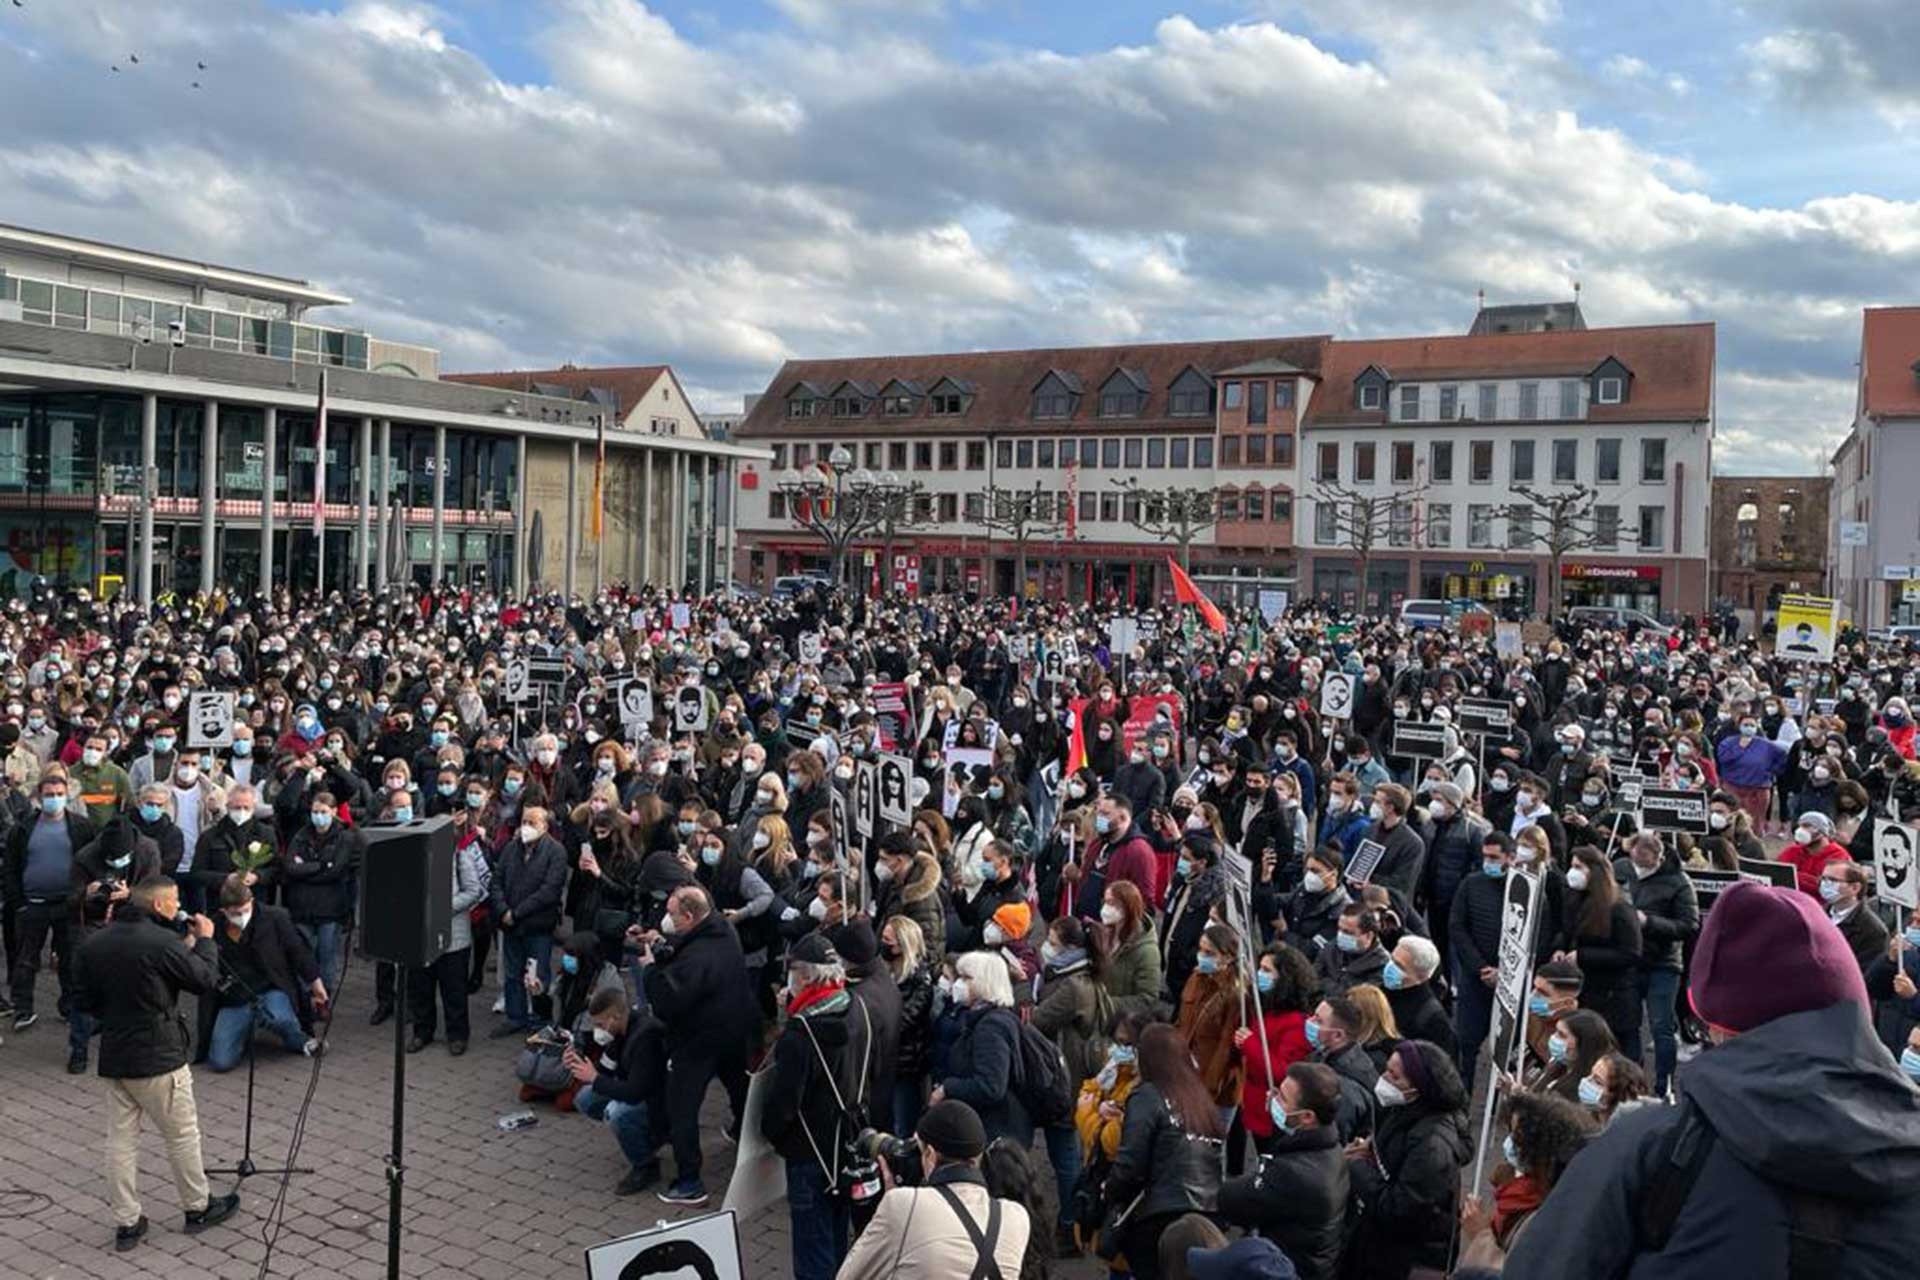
{"type": "Point", "coordinates": [723, 183]}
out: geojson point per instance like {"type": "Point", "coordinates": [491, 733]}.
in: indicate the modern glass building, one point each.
{"type": "Point", "coordinates": [151, 401]}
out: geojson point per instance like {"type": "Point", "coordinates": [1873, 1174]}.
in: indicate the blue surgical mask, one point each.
{"type": "Point", "coordinates": [403, 814]}
{"type": "Point", "coordinates": [570, 964]}
{"type": "Point", "coordinates": [1512, 1153]}
{"type": "Point", "coordinates": [1102, 823]}
{"type": "Point", "coordinates": [1393, 977]}
{"type": "Point", "coordinates": [1185, 867]}
{"type": "Point", "coordinates": [53, 806]}
{"type": "Point", "coordinates": [322, 820]}
{"type": "Point", "coordinates": [1122, 1054]}
{"type": "Point", "coordinates": [1278, 1113]}
{"type": "Point", "coordinates": [150, 812]}
{"type": "Point", "coordinates": [163, 746]}
{"type": "Point", "coordinates": [987, 870]}
{"type": "Point", "coordinates": [1493, 867]}
{"type": "Point", "coordinates": [511, 786]}
{"type": "Point", "coordinates": [1912, 935]}
{"type": "Point", "coordinates": [1265, 981]}
{"type": "Point", "coordinates": [1590, 1094]}
{"type": "Point", "coordinates": [476, 799]}
{"type": "Point", "coordinates": [995, 790]}
{"type": "Point", "coordinates": [448, 788]}
{"type": "Point", "coordinates": [686, 828]}
{"type": "Point", "coordinates": [1347, 942]}
{"type": "Point", "coordinates": [438, 737]}
{"type": "Point", "coordinates": [1537, 1005]}
{"type": "Point", "coordinates": [1313, 1032]}
{"type": "Point", "coordinates": [1557, 1048]}
{"type": "Point", "coordinates": [1207, 964]}
{"type": "Point", "coordinates": [710, 856]}
{"type": "Point", "coordinates": [243, 746]}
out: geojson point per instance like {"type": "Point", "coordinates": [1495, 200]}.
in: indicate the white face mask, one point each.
{"type": "Point", "coordinates": [993, 935]}
{"type": "Point", "coordinates": [529, 834]}
{"type": "Point", "coordinates": [761, 839]}
{"type": "Point", "coordinates": [883, 873]}
{"type": "Point", "coordinates": [1111, 916]}
{"type": "Point", "coordinates": [546, 755]}
{"type": "Point", "coordinates": [240, 921]}
{"type": "Point", "coordinates": [1577, 877]}
{"type": "Point", "coordinates": [602, 1036]}
{"type": "Point", "coordinates": [240, 817]}
{"type": "Point", "coordinates": [1314, 882]}
{"type": "Point", "coordinates": [188, 774]}
{"type": "Point", "coordinates": [668, 924]}
{"type": "Point", "coordinates": [817, 908]}
{"type": "Point", "coordinates": [960, 993]}
{"type": "Point", "coordinates": [1389, 1093]}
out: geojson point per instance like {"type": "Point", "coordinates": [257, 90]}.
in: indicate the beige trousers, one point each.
{"type": "Point", "coordinates": [167, 1101]}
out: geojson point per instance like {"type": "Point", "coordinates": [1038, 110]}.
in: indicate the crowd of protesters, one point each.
{"type": "Point", "coordinates": [1160, 949]}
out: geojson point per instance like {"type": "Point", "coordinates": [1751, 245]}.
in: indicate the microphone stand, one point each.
{"type": "Point", "coordinates": [246, 1168]}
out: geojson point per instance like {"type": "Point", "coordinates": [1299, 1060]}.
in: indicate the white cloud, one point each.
{"type": "Point", "coordinates": [722, 207]}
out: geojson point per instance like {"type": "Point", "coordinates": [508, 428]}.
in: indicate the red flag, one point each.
{"type": "Point", "coordinates": [1077, 735]}
{"type": "Point", "coordinates": [1184, 592]}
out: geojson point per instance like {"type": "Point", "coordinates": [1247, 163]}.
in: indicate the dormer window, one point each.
{"type": "Point", "coordinates": [1190, 396]}
{"type": "Point", "coordinates": [1610, 383]}
{"type": "Point", "coordinates": [1124, 395]}
{"type": "Point", "coordinates": [1610, 390]}
{"type": "Point", "coordinates": [1370, 397]}
{"type": "Point", "coordinates": [898, 406]}
{"type": "Point", "coordinates": [949, 398]}
{"type": "Point", "coordinates": [802, 407]}
{"type": "Point", "coordinates": [1370, 389]}
{"type": "Point", "coordinates": [1057, 396]}
{"type": "Point", "coordinates": [945, 404]}
{"type": "Point", "coordinates": [848, 406]}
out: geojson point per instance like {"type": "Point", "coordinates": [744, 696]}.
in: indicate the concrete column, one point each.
{"type": "Point", "coordinates": [677, 524]}
{"type": "Point", "coordinates": [573, 518]}
{"type": "Point", "coordinates": [520, 518]}
{"type": "Point", "coordinates": [706, 525]}
{"type": "Point", "coordinates": [384, 491]}
{"type": "Point", "coordinates": [149, 433]}
{"type": "Point", "coordinates": [209, 493]}
{"type": "Point", "coordinates": [439, 502]}
{"type": "Point", "coordinates": [646, 517]}
{"type": "Point", "coordinates": [733, 517]}
{"type": "Point", "coordinates": [270, 435]}
{"type": "Point", "coordinates": [364, 544]}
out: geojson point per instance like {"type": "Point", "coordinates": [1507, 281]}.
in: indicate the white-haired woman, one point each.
{"type": "Point", "coordinates": [986, 1057]}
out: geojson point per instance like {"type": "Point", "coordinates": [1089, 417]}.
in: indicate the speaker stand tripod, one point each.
{"type": "Point", "coordinates": [245, 1168]}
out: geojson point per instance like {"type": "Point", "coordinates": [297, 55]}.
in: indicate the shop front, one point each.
{"type": "Point", "coordinates": [1619, 586]}
{"type": "Point", "coordinates": [1503, 586]}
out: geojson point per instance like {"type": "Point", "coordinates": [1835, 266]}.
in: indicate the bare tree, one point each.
{"type": "Point", "coordinates": [1561, 523]}
{"type": "Point", "coordinates": [1174, 513]}
{"type": "Point", "coordinates": [1365, 521]}
{"type": "Point", "coordinates": [901, 511]}
{"type": "Point", "coordinates": [1022, 515]}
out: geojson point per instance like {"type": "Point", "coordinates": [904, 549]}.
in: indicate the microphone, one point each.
{"type": "Point", "coordinates": [182, 923]}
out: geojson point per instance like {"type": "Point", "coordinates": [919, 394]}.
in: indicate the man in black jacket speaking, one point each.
{"type": "Point", "coordinates": [129, 977]}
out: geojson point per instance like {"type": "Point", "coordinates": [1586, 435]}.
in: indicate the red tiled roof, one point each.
{"type": "Point", "coordinates": [1003, 381]}
{"type": "Point", "coordinates": [1889, 345]}
{"type": "Point", "coordinates": [629, 383]}
{"type": "Point", "coordinates": [1672, 367]}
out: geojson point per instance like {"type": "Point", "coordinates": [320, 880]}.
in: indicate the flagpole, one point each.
{"type": "Point", "coordinates": [599, 500]}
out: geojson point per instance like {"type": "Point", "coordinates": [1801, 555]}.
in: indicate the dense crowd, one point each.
{"type": "Point", "coordinates": [1159, 952]}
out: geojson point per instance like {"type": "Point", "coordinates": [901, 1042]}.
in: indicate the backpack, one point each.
{"type": "Point", "coordinates": [1042, 1083]}
{"type": "Point", "coordinates": [1817, 1226]}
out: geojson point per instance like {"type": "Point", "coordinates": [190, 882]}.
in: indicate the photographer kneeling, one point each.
{"type": "Point", "coordinates": [950, 1224]}
{"type": "Point", "coordinates": [265, 966]}
{"type": "Point", "coordinates": [624, 1070]}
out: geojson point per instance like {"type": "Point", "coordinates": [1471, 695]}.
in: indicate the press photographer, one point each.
{"type": "Point", "coordinates": [948, 1225]}
{"type": "Point", "coordinates": [129, 977]}
{"type": "Point", "coordinates": [104, 872]}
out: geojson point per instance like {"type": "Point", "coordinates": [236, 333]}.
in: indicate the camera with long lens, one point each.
{"type": "Point", "coordinates": [901, 1154]}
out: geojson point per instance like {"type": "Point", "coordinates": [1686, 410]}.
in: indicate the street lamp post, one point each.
{"type": "Point", "coordinates": [841, 505]}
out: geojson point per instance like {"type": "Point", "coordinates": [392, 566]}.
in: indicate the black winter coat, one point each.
{"type": "Point", "coordinates": [1409, 1186]}
{"type": "Point", "coordinates": [1672, 911]}
{"type": "Point", "coordinates": [916, 1025]}
{"type": "Point", "coordinates": [873, 990]}
{"type": "Point", "coordinates": [1357, 1073]}
{"type": "Point", "coordinates": [1297, 1199]}
{"type": "Point", "coordinates": [282, 954]}
{"type": "Point", "coordinates": [1419, 1015]}
{"type": "Point", "coordinates": [701, 993]}
{"type": "Point", "coordinates": [1453, 855]}
{"type": "Point", "coordinates": [129, 976]}
{"type": "Point", "coordinates": [320, 870]}
{"type": "Point", "coordinates": [529, 883]}
{"type": "Point", "coordinates": [213, 855]}
{"type": "Point", "coordinates": [1609, 964]}
{"type": "Point", "coordinates": [1179, 1172]}
{"type": "Point", "coordinates": [800, 1115]}
{"type": "Point", "coordinates": [1809, 1101]}
{"type": "Point", "coordinates": [1404, 861]}
{"type": "Point", "coordinates": [983, 1071]}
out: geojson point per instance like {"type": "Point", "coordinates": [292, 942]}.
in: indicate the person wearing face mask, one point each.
{"type": "Point", "coordinates": [1406, 852]}
{"type": "Point", "coordinates": [1356, 955]}
{"type": "Point", "coordinates": [620, 1069]}
{"type": "Point", "coordinates": [1346, 821]}
{"type": "Point", "coordinates": [156, 763]}
{"type": "Point", "coordinates": [1669, 912]}
{"type": "Point", "coordinates": [40, 872]}
{"type": "Point", "coordinates": [907, 882]}
{"type": "Point", "coordinates": [525, 897]}
{"type": "Point", "coordinates": [1812, 851]}
{"type": "Point", "coordinates": [1407, 980]}
{"type": "Point", "coordinates": [700, 990]}
{"type": "Point", "coordinates": [1285, 987]}
{"type": "Point", "coordinates": [104, 873]}
{"type": "Point", "coordinates": [1312, 913]}
{"type": "Point", "coordinates": [1200, 883]}
{"type": "Point", "coordinates": [1407, 1175]}
{"type": "Point", "coordinates": [1118, 851]}
{"type": "Point", "coordinates": [1453, 850]}
{"type": "Point", "coordinates": [99, 786]}
{"type": "Point", "coordinates": [1788, 1015]}
{"type": "Point", "coordinates": [545, 766]}
{"type": "Point", "coordinates": [1897, 719]}
{"type": "Point", "coordinates": [1298, 1196]}
{"type": "Point", "coordinates": [1749, 763]}
{"type": "Point", "coordinates": [1542, 1135]}
{"type": "Point", "coordinates": [1843, 888]}
{"type": "Point", "coordinates": [1140, 780]}
{"type": "Point", "coordinates": [447, 976]}
{"type": "Point", "coordinates": [270, 970]}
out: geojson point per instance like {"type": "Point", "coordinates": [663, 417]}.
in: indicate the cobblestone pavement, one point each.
{"type": "Point", "coordinates": [478, 1203]}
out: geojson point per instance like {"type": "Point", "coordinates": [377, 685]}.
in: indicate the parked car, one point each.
{"type": "Point", "coordinates": [785, 588]}
{"type": "Point", "coordinates": [1420, 615]}
{"type": "Point", "coordinates": [1635, 622]}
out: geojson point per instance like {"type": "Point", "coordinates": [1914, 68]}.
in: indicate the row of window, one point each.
{"type": "Point", "coordinates": [1131, 452]}
{"type": "Point", "coordinates": [1410, 524]}
{"type": "Point", "coordinates": [66, 306]}
{"type": "Point", "coordinates": [1563, 464]}
{"type": "Point", "coordinates": [1494, 401]}
{"type": "Point", "coordinates": [1121, 396]}
{"type": "Point", "coordinates": [1052, 507]}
